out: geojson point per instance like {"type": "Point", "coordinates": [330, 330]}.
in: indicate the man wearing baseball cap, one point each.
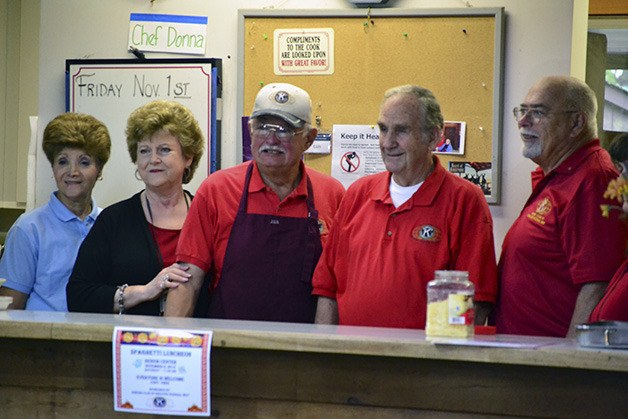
{"type": "Point", "coordinates": [258, 228]}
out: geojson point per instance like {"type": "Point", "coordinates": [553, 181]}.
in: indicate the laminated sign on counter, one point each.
{"type": "Point", "coordinates": [161, 371]}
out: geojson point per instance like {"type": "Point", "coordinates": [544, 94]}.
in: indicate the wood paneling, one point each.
{"type": "Point", "coordinates": [608, 7]}
{"type": "Point", "coordinates": [46, 378]}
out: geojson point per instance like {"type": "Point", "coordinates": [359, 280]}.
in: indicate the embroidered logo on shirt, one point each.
{"type": "Point", "coordinates": [542, 209]}
{"type": "Point", "coordinates": [322, 227]}
{"type": "Point", "coordinates": [426, 233]}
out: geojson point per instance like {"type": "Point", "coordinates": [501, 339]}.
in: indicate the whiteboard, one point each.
{"type": "Point", "coordinates": [111, 89]}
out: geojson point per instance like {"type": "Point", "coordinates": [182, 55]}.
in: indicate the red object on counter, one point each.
{"type": "Point", "coordinates": [485, 330]}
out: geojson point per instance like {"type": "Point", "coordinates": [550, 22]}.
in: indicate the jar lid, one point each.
{"type": "Point", "coordinates": [451, 274]}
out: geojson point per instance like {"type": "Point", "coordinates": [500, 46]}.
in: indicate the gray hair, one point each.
{"type": "Point", "coordinates": [430, 109]}
{"type": "Point", "coordinates": [577, 96]}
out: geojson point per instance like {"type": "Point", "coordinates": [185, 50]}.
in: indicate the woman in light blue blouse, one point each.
{"type": "Point", "coordinates": [42, 244]}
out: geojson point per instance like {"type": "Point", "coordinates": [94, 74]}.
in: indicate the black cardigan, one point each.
{"type": "Point", "coordinates": [119, 249]}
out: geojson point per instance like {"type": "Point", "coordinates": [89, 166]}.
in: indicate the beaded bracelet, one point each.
{"type": "Point", "coordinates": [121, 288]}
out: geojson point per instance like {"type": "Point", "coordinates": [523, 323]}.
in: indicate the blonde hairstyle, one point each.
{"type": "Point", "coordinates": [78, 131]}
{"type": "Point", "coordinates": [172, 117]}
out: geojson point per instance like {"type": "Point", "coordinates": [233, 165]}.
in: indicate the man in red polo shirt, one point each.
{"type": "Point", "coordinates": [258, 228]}
{"type": "Point", "coordinates": [559, 255]}
{"type": "Point", "coordinates": [395, 228]}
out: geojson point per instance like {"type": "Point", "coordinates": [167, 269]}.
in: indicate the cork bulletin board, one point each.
{"type": "Point", "coordinates": [456, 53]}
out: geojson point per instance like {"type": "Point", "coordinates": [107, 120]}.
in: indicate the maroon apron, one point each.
{"type": "Point", "coordinates": [268, 266]}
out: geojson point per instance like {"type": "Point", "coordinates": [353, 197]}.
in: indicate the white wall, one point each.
{"type": "Point", "coordinates": [540, 35]}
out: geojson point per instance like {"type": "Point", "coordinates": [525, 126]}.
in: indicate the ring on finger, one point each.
{"type": "Point", "coordinates": [164, 279]}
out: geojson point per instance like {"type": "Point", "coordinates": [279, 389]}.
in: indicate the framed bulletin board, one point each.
{"type": "Point", "coordinates": [456, 53]}
{"type": "Point", "coordinates": [111, 89]}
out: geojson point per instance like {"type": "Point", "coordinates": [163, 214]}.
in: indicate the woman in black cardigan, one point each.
{"type": "Point", "coordinates": [126, 263]}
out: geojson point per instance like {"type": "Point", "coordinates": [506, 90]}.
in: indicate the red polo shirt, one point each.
{"type": "Point", "coordinates": [614, 304]}
{"type": "Point", "coordinates": [204, 237]}
{"type": "Point", "coordinates": [379, 258]}
{"type": "Point", "coordinates": [559, 242]}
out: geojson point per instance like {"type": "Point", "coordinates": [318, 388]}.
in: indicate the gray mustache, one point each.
{"type": "Point", "coordinates": [271, 148]}
{"type": "Point", "coordinates": [524, 132]}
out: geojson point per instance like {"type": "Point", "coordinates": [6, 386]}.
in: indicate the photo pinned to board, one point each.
{"type": "Point", "coordinates": [453, 139]}
{"type": "Point", "coordinates": [478, 173]}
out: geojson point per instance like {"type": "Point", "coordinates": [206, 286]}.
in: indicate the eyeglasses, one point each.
{"type": "Point", "coordinates": [536, 114]}
{"type": "Point", "coordinates": [264, 131]}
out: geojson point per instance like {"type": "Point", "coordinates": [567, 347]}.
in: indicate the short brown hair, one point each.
{"type": "Point", "coordinates": [79, 131]}
{"type": "Point", "coordinates": [618, 148]}
{"type": "Point", "coordinates": [172, 117]}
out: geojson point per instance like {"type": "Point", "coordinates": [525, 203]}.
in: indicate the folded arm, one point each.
{"type": "Point", "coordinates": [590, 294]}
{"type": "Point", "coordinates": [19, 298]}
{"type": "Point", "coordinates": [326, 311]}
{"type": "Point", "coordinates": [181, 300]}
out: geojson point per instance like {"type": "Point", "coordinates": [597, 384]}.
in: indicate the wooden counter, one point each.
{"type": "Point", "coordinates": [59, 365]}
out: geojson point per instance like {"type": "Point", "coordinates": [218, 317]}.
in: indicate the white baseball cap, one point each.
{"type": "Point", "coordinates": [286, 101]}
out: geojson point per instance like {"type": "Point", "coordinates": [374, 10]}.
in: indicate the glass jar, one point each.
{"type": "Point", "coordinates": [450, 310]}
